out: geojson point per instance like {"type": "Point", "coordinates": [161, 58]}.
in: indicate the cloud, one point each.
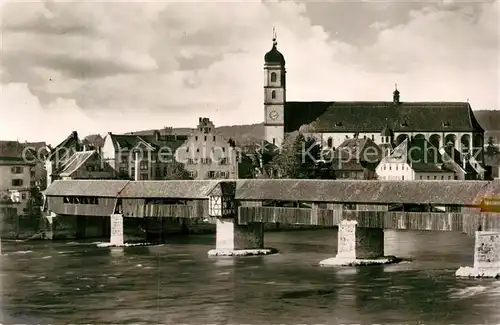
{"type": "Point", "coordinates": [127, 66]}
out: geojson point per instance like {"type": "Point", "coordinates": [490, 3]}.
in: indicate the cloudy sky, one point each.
{"type": "Point", "coordinates": [113, 66]}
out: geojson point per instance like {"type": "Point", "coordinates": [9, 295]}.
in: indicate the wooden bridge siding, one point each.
{"type": "Point", "coordinates": [446, 221]}
{"type": "Point", "coordinates": [486, 220]}
{"type": "Point", "coordinates": [136, 208]}
{"type": "Point", "coordinates": [104, 207]}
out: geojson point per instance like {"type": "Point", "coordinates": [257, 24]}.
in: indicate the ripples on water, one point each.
{"type": "Point", "coordinates": [177, 283]}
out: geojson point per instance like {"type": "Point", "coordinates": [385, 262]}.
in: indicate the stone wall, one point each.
{"type": "Point", "coordinates": [358, 242]}
{"type": "Point", "coordinates": [487, 250]}
{"type": "Point", "coordinates": [249, 236]}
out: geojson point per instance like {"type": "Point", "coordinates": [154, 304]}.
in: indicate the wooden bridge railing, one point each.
{"type": "Point", "coordinates": [436, 221]}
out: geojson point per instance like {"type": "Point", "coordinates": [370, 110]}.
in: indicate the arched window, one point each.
{"type": "Point", "coordinates": [273, 94]}
{"type": "Point", "coordinates": [273, 76]}
{"type": "Point", "coordinates": [329, 142]}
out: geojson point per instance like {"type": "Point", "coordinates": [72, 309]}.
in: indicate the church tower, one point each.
{"type": "Point", "coordinates": [274, 95]}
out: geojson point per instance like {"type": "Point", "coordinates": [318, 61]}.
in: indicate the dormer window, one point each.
{"type": "Point", "coordinates": [446, 124]}
{"type": "Point", "coordinates": [404, 124]}
{"type": "Point", "coordinates": [338, 124]}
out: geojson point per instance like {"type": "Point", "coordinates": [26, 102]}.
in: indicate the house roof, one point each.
{"type": "Point", "coordinates": [83, 187]}
{"type": "Point", "coordinates": [75, 162]}
{"type": "Point", "coordinates": [16, 161]}
{"type": "Point", "coordinates": [94, 139]}
{"type": "Point", "coordinates": [455, 155]}
{"type": "Point", "coordinates": [169, 189]}
{"type": "Point", "coordinates": [371, 116]}
{"type": "Point", "coordinates": [72, 141]}
{"type": "Point", "coordinates": [129, 141]}
{"type": "Point", "coordinates": [421, 155]}
{"type": "Point", "coordinates": [14, 152]}
{"type": "Point", "coordinates": [359, 149]}
{"type": "Point", "coordinates": [418, 192]}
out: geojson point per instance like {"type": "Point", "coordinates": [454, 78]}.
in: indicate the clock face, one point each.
{"type": "Point", "coordinates": [273, 115]}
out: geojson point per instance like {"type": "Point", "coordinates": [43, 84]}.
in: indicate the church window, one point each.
{"type": "Point", "coordinates": [274, 141]}
{"type": "Point", "coordinates": [205, 138]}
{"type": "Point", "coordinates": [214, 138]}
{"type": "Point", "coordinates": [402, 178]}
{"type": "Point", "coordinates": [273, 76]}
{"type": "Point", "coordinates": [196, 138]}
{"type": "Point", "coordinates": [273, 94]}
{"type": "Point", "coordinates": [330, 142]}
{"type": "Point", "coordinates": [373, 137]}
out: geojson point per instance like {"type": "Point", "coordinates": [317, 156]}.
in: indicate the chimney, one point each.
{"type": "Point", "coordinates": [137, 164]}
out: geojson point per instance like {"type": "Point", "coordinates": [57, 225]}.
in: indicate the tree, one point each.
{"type": "Point", "coordinates": [300, 158]}
{"type": "Point", "coordinates": [34, 204]}
{"type": "Point", "coordinates": [491, 149]}
{"type": "Point", "coordinates": [176, 171]}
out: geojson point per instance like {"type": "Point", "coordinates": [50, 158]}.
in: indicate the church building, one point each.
{"type": "Point", "coordinates": [387, 123]}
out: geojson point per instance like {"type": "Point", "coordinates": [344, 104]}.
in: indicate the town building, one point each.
{"type": "Point", "coordinates": [207, 154]}
{"type": "Point", "coordinates": [464, 166]}
{"type": "Point", "coordinates": [17, 176]}
{"type": "Point", "coordinates": [415, 159]}
{"type": "Point", "coordinates": [33, 152]}
{"type": "Point", "coordinates": [144, 157]}
{"type": "Point", "coordinates": [356, 159]}
{"type": "Point", "coordinates": [85, 165]}
{"type": "Point", "coordinates": [333, 122]}
{"type": "Point", "coordinates": [60, 154]}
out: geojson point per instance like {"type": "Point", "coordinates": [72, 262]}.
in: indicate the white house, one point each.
{"type": "Point", "coordinates": [414, 159]}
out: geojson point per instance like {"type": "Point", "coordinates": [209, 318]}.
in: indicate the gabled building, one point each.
{"type": "Point", "coordinates": [415, 159]}
{"type": "Point", "coordinates": [16, 178]}
{"type": "Point", "coordinates": [209, 155]}
{"type": "Point", "coordinates": [93, 142]}
{"type": "Point", "coordinates": [356, 159]}
{"type": "Point", "coordinates": [144, 157]}
{"type": "Point", "coordinates": [59, 155]}
{"type": "Point", "coordinates": [464, 166]}
{"type": "Point", "coordinates": [85, 165]}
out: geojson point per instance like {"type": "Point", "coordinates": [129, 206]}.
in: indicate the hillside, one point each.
{"type": "Point", "coordinates": [242, 134]}
{"type": "Point", "coordinates": [489, 120]}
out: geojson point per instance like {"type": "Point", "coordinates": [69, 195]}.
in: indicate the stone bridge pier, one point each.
{"type": "Point", "coordinates": [358, 246]}
{"type": "Point", "coordinates": [233, 239]}
{"type": "Point", "coordinates": [486, 256]}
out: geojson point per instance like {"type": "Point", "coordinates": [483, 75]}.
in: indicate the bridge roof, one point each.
{"type": "Point", "coordinates": [490, 193]}
{"type": "Point", "coordinates": [418, 192]}
{"type": "Point", "coordinates": [80, 187]}
{"type": "Point", "coordinates": [179, 189]}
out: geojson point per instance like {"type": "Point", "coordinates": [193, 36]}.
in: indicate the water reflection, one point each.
{"type": "Point", "coordinates": [178, 283]}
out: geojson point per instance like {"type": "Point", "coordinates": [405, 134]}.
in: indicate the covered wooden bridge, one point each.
{"type": "Point", "coordinates": [425, 205]}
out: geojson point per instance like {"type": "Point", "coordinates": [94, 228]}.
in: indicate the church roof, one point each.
{"type": "Point", "coordinates": [274, 56]}
{"type": "Point", "coordinates": [372, 116]}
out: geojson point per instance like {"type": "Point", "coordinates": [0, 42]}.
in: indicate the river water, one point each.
{"type": "Point", "coordinates": [177, 283]}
